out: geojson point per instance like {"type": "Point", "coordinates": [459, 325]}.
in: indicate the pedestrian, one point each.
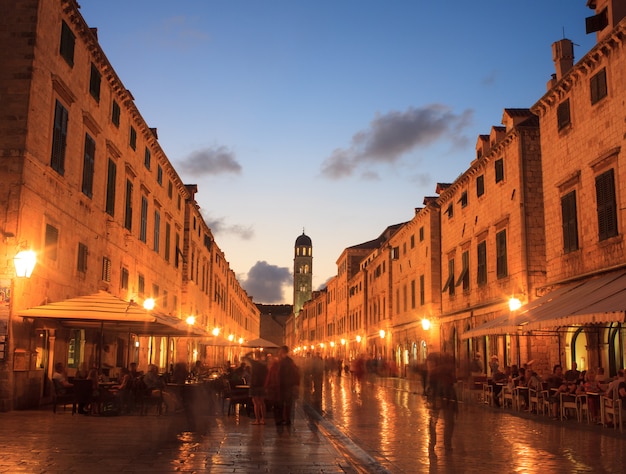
{"type": "Point", "coordinates": [257, 390]}
{"type": "Point", "coordinates": [441, 399]}
{"type": "Point", "coordinates": [283, 379]}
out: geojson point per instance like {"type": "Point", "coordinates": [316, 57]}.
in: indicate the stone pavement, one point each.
{"type": "Point", "coordinates": [378, 426]}
{"type": "Point", "coordinates": [39, 441]}
{"type": "Point", "coordinates": [388, 419]}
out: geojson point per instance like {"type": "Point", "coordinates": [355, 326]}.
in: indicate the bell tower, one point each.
{"type": "Point", "coordinates": [302, 272]}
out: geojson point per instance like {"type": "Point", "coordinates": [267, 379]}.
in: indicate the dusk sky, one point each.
{"type": "Point", "coordinates": [329, 116]}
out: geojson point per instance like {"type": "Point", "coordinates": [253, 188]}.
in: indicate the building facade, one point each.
{"type": "Point", "coordinates": [87, 187]}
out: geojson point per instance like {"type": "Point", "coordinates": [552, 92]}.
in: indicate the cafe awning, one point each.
{"type": "Point", "coordinates": [103, 310]}
{"type": "Point", "coordinates": [595, 300]}
{"type": "Point", "coordinates": [260, 342]}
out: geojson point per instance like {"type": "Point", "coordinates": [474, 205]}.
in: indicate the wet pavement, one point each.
{"type": "Point", "coordinates": [42, 442]}
{"type": "Point", "coordinates": [388, 419]}
{"type": "Point", "coordinates": [378, 426]}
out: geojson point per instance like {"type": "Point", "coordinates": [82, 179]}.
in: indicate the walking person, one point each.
{"type": "Point", "coordinates": [282, 381]}
{"type": "Point", "coordinates": [257, 389]}
{"type": "Point", "coordinates": [441, 399]}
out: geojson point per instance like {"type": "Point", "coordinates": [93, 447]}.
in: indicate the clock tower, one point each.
{"type": "Point", "coordinates": [302, 272]}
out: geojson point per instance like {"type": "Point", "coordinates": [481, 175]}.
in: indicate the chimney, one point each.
{"type": "Point", "coordinates": [608, 13]}
{"type": "Point", "coordinates": [563, 57]}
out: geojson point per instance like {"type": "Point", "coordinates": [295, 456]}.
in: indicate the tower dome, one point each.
{"type": "Point", "coordinates": [303, 241]}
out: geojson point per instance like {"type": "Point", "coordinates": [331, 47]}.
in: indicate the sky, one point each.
{"type": "Point", "coordinates": [330, 117]}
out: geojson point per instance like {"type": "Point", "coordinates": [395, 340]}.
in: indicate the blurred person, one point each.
{"type": "Point", "coordinates": [60, 380]}
{"type": "Point", "coordinates": [282, 381]}
{"type": "Point", "coordinates": [257, 389]}
{"type": "Point", "coordinates": [441, 398]}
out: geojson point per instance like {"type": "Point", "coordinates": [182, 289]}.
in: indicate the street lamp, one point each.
{"type": "Point", "coordinates": [24, 262]}
{"type": "Point", "coordinates": [148, 304]}
{"type": "Point", "coordinates": [191, 320]}
{"type": "Point", "coordinates": [381, 333]}
{"type": "Point", "coordinates": [514, 304]}
{"type": "Point", "coordinates": [425, 324]}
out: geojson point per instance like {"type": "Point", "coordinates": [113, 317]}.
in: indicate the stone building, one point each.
{"type": "Point", "coordinates": [536, 220]}
{"type": "Point", "coordinates": [87, 187]}
{"type": "Point", "coordinates": [492, 243]}
{"type": "Point", "coordinates": [415, 304]}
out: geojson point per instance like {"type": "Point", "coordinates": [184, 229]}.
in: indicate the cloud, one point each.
{"type": "Point", "coordinates": [218, 225]}
{"type": "Point", "coordinates": [265, 283]}
{"type": "Point", "coordinates": [394, 134]}
{"type": "Point", "coordinates": [177, 32]}
{"type": "Point", "coordinates": [210, 161]}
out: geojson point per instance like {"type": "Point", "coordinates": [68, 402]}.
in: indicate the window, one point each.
{"type": "Point", "coordinates": [52, 242]}
{"type": "Point", "coordinates": [132, 139]}
{"type": "Point", "coordinates": [464, 275]}
{"type": "Point", "coordinates": [413, 295]}
{"type": "Point", "coordinates": [128, 209]}
{"type": "Point", "coordinates": [141, 284]}
{"type": "Point", "coordinates": [146, 158]}
{"type": "Point", "coordinates": [81, 264]}
{"type": "Point", "coordinates": [160, 175]}
{"type": "Point", "coordinates": [59, 138]}
{"type": "Point", "coordinates": [124, 279]}
{"type": "Point", "coordinates": [422, 291]}
{"type": "Point", "coordinates": [143, 228]}
{"type": "Point", "coordinates": [170, 189]}
{"type": "Point", "coordinates": [110, 196]}
{"type": "Point", "coordinates": [88, 165]}
{"type": "Point", "coordinates": [177, 251]}
{"type": "Point", "coordinates": [115, 114]}
{"type": "Point", "coordinates": [106, 269]}
{"type": "Point", "coordinates": [481, 259]}
{"type": "Point", "coordinates": [94, 83]}
{"type": "Point", "coordinates": [597, 85]}
{"type": "Point", "coordinates": [569, 222]}
{"type": "Point", "coordinates": [501, 257]}
{"type": "Point", "coordinates": [422, 234]}
{"type": "Point", "coordinates": [463, 199]}
{"type": "Point", "coordinates": [563, 115]}
{"type": "Point", "coordinates": [449, 286]}
{"type": "Point", "coordinates": [499, 169]}
{"type": "Point", "coordinates": [606, 205]}
{"type": "Point", "coordinates": [412, 241]}
{"type": "Point", "coordinates": [68, 40]}
{"type": "Point", "coordinates": [157, 230]}
{"type": "Point", "coordinates": [168, 231]}
{"type": "Point", "coordinates": [450, 210]}
{"type": "Point", "coordinates": [480, 185]}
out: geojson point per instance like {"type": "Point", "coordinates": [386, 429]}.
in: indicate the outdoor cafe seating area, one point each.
{"type": "Point", "coordinates": [581, 407]}
{"type": "Point", "coordinates": [106, 398]}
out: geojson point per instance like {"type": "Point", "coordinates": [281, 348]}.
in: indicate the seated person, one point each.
{"type": "Point", "coordinates": [155, 387]}
{"type": "Point", "coordinates": [59, 378]}
{"type": "Point", "coordinates": [123, 390]}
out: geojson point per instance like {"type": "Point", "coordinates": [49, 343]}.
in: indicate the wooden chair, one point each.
{"type": "Point", "coordinates": [234, 397]}
{"type": "Point", "coordinates": [545, 403]}
{"type": "Point", "coordinates": [613, 408]}
{"type": "Point", "coordinates": [507, 397]}
{"type": "Point", "coordinates": [61, 396]}
{"type": "Point", "coordinates": [487, 398]}
{"type": "Point", "coordinates": [568, 402]}
{"type": "Point", "coordinates": [534, 401]}
{"type": "Point", "coordinates": [583, 407]}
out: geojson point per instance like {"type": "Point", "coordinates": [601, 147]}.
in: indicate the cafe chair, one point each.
{"type": "Point", "coordinates": [61, 396]}
{"type": "Point", "coordinates": [534, 401]}
{"type": "Point", "coordinates": [613, 408]}
{"type": "Point", "coordinates": [507, 397]}
{"type": "Point", "coordinates": [487, 394]}
{"type": "Point", "coordinates": [546, 403]}
{"type": "Point", "coordinates": [568, 402]}
{"type": "Point", "coordinates": [583, 407]}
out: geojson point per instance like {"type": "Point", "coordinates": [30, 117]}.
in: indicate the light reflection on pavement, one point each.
{"type": "Point", "coordinates": [387, 418]}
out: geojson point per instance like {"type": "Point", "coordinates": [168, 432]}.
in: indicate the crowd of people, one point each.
{"type": "Point", "coordinates": [558, 385]}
